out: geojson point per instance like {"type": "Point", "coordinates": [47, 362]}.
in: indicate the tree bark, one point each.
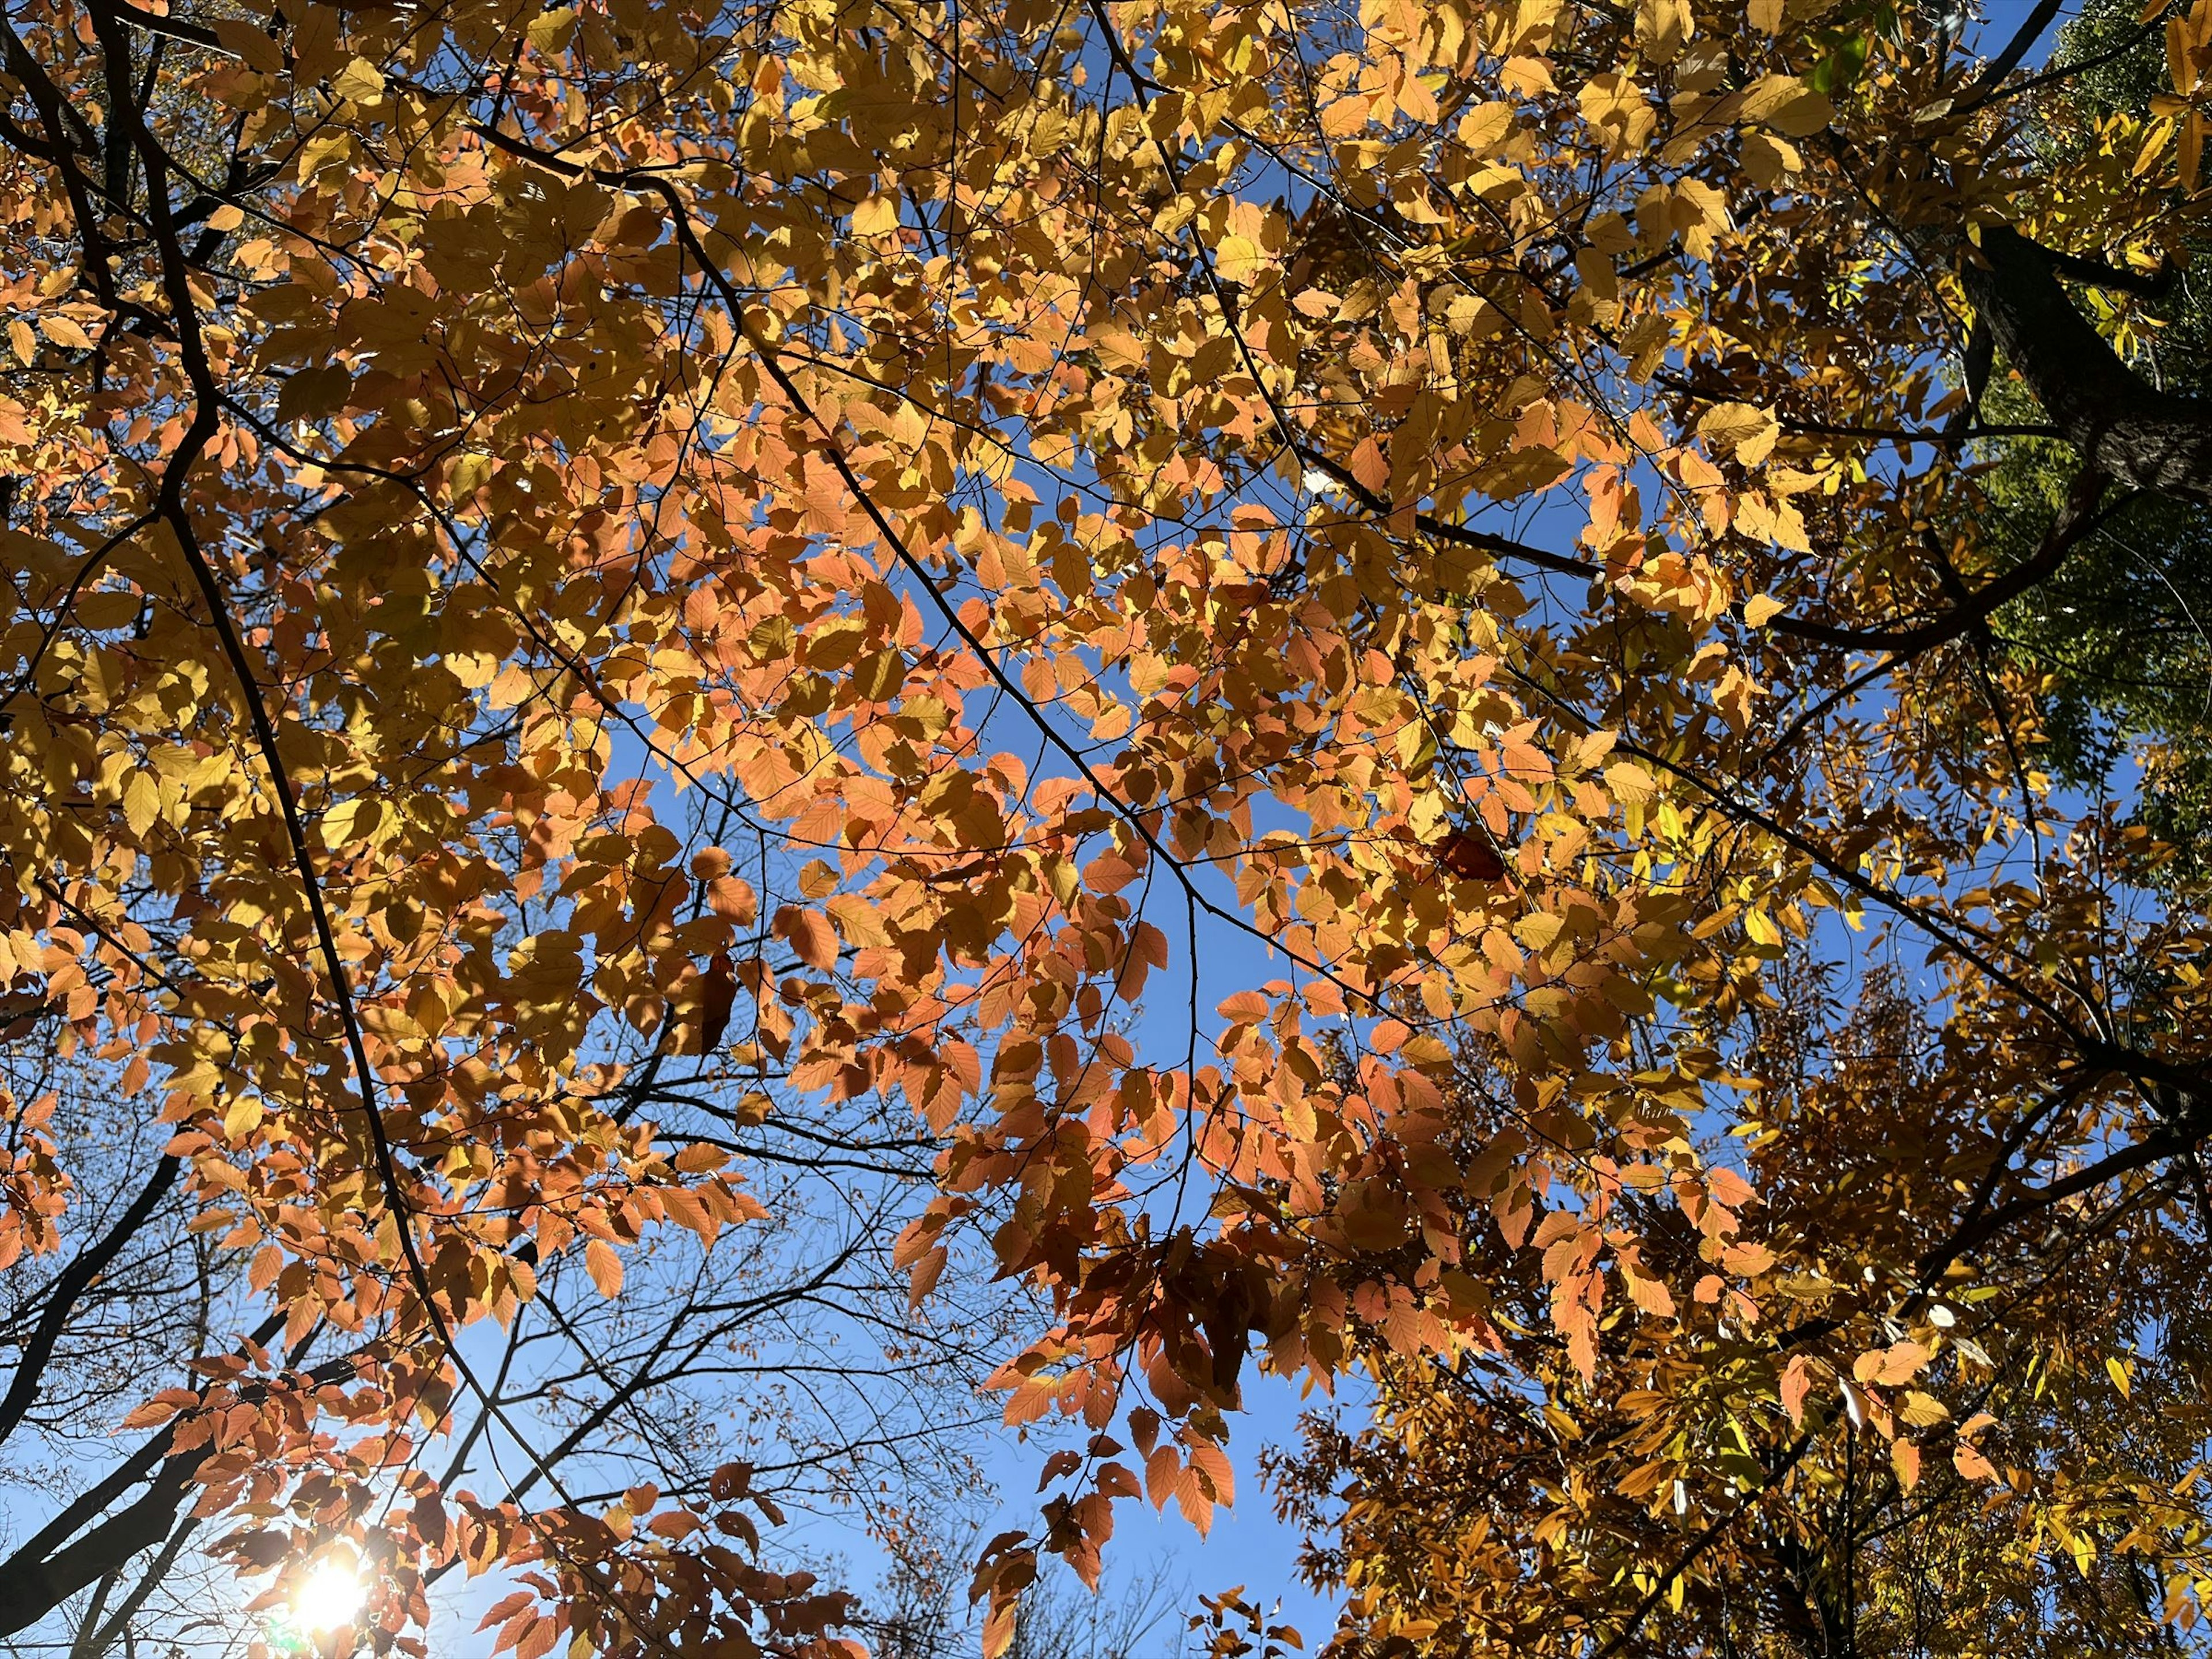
{"type": "Point", "coordinates": [70, 1284]}
{"type": "Point", "coordinates": [47, 1568]}
{"type": "Point", "coordinates": [32, 1582]}
{"type": "Point", "coordinates": [2127, 429]}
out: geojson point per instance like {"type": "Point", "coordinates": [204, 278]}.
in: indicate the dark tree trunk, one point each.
{"type": "Point", "coordinates": [40, 1577]}
{"type": "Point", "coordinates": [2127, 429]}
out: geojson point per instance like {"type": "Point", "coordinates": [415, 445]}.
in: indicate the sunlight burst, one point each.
{"type": "Point", "coordinates": [330, 1596]}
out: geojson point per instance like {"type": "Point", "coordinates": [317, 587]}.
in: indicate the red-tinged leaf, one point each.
{"type": "Point", "coordinates": [1967, 1459]}
{"type": "Point", "coordinates": [1749, 1260]}
{"type": "Point", "coordinates": [923, 1276]}
{"type": "Point", "coordinates": [1163, 1473]}
{"type": "Point", "coordinates": [733, 900]}
{"type": "Point", "coordinates": [1650, 1296]}
{"type": "Point", "coordinates": [1629, 782]}
{"type": "Point", "coordinates": [505, 1608]}
{"type": "Point", "coordinates": [1899, 1363]}
{"type": "Point", "coordinates": [539, 1640]}
{"type": "Point", "coordinates": [1468, 854]}
{"type": "Point", "coordinates": [160, 1408]}
{"type": "Point", "coordinates": [1904, 1458]}
{"type": "Point", "coordinates": [1797, 1381]}
{"type": "Point", "coordinates": [1060, 1463]}
{"type": "Point", "coordinates": [428, 1517]}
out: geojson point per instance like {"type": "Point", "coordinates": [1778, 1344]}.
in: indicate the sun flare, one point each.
{"type": "Point", "coordinates": [330, 1596]}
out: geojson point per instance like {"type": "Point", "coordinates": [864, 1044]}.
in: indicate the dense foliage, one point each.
{"type": "Point", "coordinates": [719, 717]}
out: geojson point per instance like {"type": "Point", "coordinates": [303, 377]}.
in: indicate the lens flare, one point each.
{"type": "Point", "coordinates": [330, 1596]}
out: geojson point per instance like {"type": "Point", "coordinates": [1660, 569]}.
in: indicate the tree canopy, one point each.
{"type": "Point", "coordinates": [721, 718]}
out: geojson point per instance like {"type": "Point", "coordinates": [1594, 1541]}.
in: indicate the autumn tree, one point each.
{"type": "Point", "coordinates": [1939, 1388]}
{"type": "Point", "coordinates": [787, 1345]}
{"type": "Point", "coordinates": [1930, 1447]}
{"type": "Point", "coordinates": [920, 1609]}
{"type": "Point", "coordinates": [1218, 649]}
{"type": "Point", "coordinates": [2115, 640]}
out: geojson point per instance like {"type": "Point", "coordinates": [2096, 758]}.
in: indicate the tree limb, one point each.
{"type": "Point", "coordinates": [2126, 429]}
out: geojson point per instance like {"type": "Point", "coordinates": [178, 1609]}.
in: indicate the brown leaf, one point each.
{"type": "Point", "coordinates": [1468, 854]}
{"type": "Point", "coordinates": [718, 992]}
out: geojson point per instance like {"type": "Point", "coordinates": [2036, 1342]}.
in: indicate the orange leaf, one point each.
{"type": "Point", "coordinates": [1796, 1380]}
{"type": "Point", "coordinates": [809, 934]}
{"type": "Point", "coordinates": [604, 1265]}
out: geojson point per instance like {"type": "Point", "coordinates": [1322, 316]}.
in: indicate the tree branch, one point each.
{"type": "Point", "coordinates": [70, 1284]}
{"type": "Point", "coordinates": [2126, 429]}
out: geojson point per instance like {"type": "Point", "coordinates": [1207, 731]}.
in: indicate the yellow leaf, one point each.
{"type": "Point", "coordinates": [243, 1118]}
{"type": "Point", "coordinates": [878, 215]}
{"type": "Point", "coordinates": [1346, 116]}
{"type": "Point", "coordinates": [63, 332]}
{"type": "Point", "coordinates": [1661, 27]}
{"type": "Point", "coordinates": [1904, 1458]}
{"type": "Point", "coordinates": [469, 474]}
{"type": "Point", "coordinates": [1924, 1410]}
{"type": "Point", "coordinates": [1484, 128]}
{"type": "Point", "coordinates": [474, 669]}
{"type": "Point", "coordinates": [2153, 145]}
{"type": "Point", "coordinates": [1788, 105]}
{"type": "Point", "coordinates": [1747, 431]}
{"type": "Point", "coordinates": [1117, 348]}
{"type": "Point", "coordinates": [360, 82]}
{"type": "Point", "coordinates": [1629, 782]}
{"type": "Point", "coordinates": [549, 32]}
{"type": "Point", "coordinates": [1770, 161]}
{"type": "Point", "coordinates": [1761, 609]}
{"type": "Point", "coordinates": [1239, 260]}
{"type": "Point", "coordinates": [142, 803]}
{"type": "Point", "coordinates": [1617, 108]}
{"type": "Point", "coordinates": [345, 824]}
{"type": "Point", "coordinates": [249, 42]}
